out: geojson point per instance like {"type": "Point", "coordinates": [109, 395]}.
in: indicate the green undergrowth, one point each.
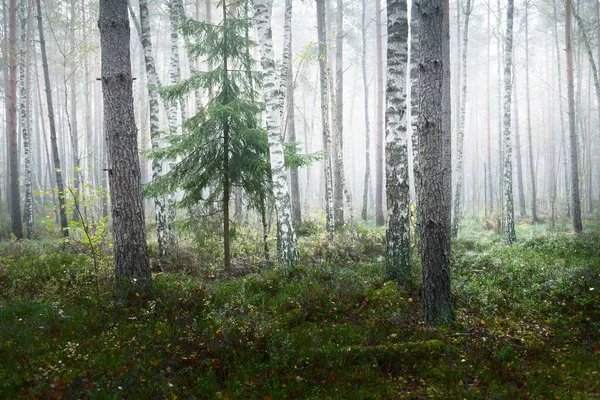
{"type": "Point", "coordinates": [528, 326]}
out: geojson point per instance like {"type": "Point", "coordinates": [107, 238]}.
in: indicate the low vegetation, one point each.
{"type": "Point", "coordinates": [528, 324]}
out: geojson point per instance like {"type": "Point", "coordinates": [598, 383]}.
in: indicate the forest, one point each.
{"type": "Point", "coordinates": [300, 199]}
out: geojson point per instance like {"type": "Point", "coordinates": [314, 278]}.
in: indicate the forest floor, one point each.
{"type": "Point", "coordinates": [528, 325]}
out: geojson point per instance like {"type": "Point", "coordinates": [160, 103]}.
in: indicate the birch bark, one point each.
{"type": "Point", "coordinates": [398, 263]}
{"type": "Point", "coordinates": [286, 241]}
{"type": "Point", "coordinates": [23, 118]}
{"type": "Point", "coordinates": [511, 236]}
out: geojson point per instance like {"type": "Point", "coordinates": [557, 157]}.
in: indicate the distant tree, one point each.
{"type": "Point", "coordinates": [11, 124]}
{"type": "Point", "coordinates": [132, 271]}
{"type": "Point", "coordinates": [531, 161]}
{"type": "Point", "coordinates": [458, 204]}
{"type": "Point", "coordinates": [290, 116]}
{"type": "Point", "coordinates": [367, 180]}
{"type": "Point", "coordinates": [379, 92]}
{"type": "Point", "coordinates": [435, 184]}
{"type": "Point", "coordinates": [62, 209]}
{"type": "Point", "coordinates": [397, 263]}
{"type": "Point", "coordinates": [576, 202]}
{"type": "Point", "coordinates": [325, 118]}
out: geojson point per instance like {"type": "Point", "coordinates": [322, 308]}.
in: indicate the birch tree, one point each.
{"type": "Point", "coordinates": [24, 117]}
{"type": "Point", "coordinates": [325, 119]}
{"type": "Point", "coordinates": [398, 263]}
{"type": "Point", "coordinates": [286, 240]}
{"type": "Point", "coordinates": [160, 202]}
{"type": "Point", "coordinates": [511, 236]}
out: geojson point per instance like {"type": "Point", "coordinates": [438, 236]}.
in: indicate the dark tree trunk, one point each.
{"type": "Point", "coordinates": [435, 183]}
{"type": "Point", "coordinates": [132, 270]}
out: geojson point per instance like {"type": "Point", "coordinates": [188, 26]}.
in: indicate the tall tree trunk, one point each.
{"type": "Point", "coordinates": [458, 201]}
{"type": "Point", "coordinates": [24, 118]}
{"type": "Point", "coordinates": [379, 118]}
{"type": "Point", "coordinates": [11, 124]}
{"type": "Point", "coordinates": [563, 138]}
{"type": "Point", "coordinates": [501, 206]}
{"type": "Point", "coordinates": [397, 263]}
{"type": "Point", "coordinates": [337, 113]}
{"type": "Point", "coordinates": [435, 183]}
{"type": "Point", "coordinates": [576, 203]}
{"type": "Point", "coordinates": [291, 115]}
{"type": "Point", "coordinates": [52, 124]}
{"type": "Point", "coordinates": [226, 168]}
{"type": "Point", "coordinates": [490, 184]}
{"type": "Point", "coordinates": [162, 228]}
{"type": "Point", "coordinates": [414, 99]}
{"type": "Point", "coordinates": [89, 132]}
{"type": "Point", "coordinates": [511, 236]}
{"type": "Point", "coordinates": [132, 271]}
{"type": "Point", "coordinates": [77, 173]}
{"type": "Point", "coordinates": [367, 180]}
{"type": "Point", "coordinates": [532, 182]}
{"type": "Point", "coordinates": [519, 159]}
{"type": "Point", "coordinates": [325, 118]}
{"type": "Point", "coordinates": [286, 240]}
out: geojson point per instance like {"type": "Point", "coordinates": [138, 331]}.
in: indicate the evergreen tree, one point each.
{"type": "Point", "coordinates": [223, 146]}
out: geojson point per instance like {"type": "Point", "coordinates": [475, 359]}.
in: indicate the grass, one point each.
{"type": "Point", "coordinates": [528, 326]}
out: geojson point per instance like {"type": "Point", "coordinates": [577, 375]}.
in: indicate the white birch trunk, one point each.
{"type": "Point", "coordinates": [287, 245]}
{"type": "Point", "coordinates": [325, 120]}
{"type": "Point", "coordinates": [162, 231]}
{"type": "Point", "coordinates": [23, 116]}
{"type": "Point", "coordinates": [511, 236]}
{"type": "Point", "coordinates": [398, 263]}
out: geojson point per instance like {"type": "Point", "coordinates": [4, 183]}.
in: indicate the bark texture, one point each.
{"type": "Point", "coordinates": [434, 185]}
{"type": "Point", "coordinates": [511, 236]}
{"type": "Point", "coordinates": [325, 118]}
{"type": "Point", "coordinates": [398, 262]}
{"type": "Point", "coordinates": [287, 245]}
{"type": "Point", "coordinates": [160, 202]}
{"type": "Point", "coordinates": [24, 119]}
{"type": "Point", "coordinates": [132, 270]}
